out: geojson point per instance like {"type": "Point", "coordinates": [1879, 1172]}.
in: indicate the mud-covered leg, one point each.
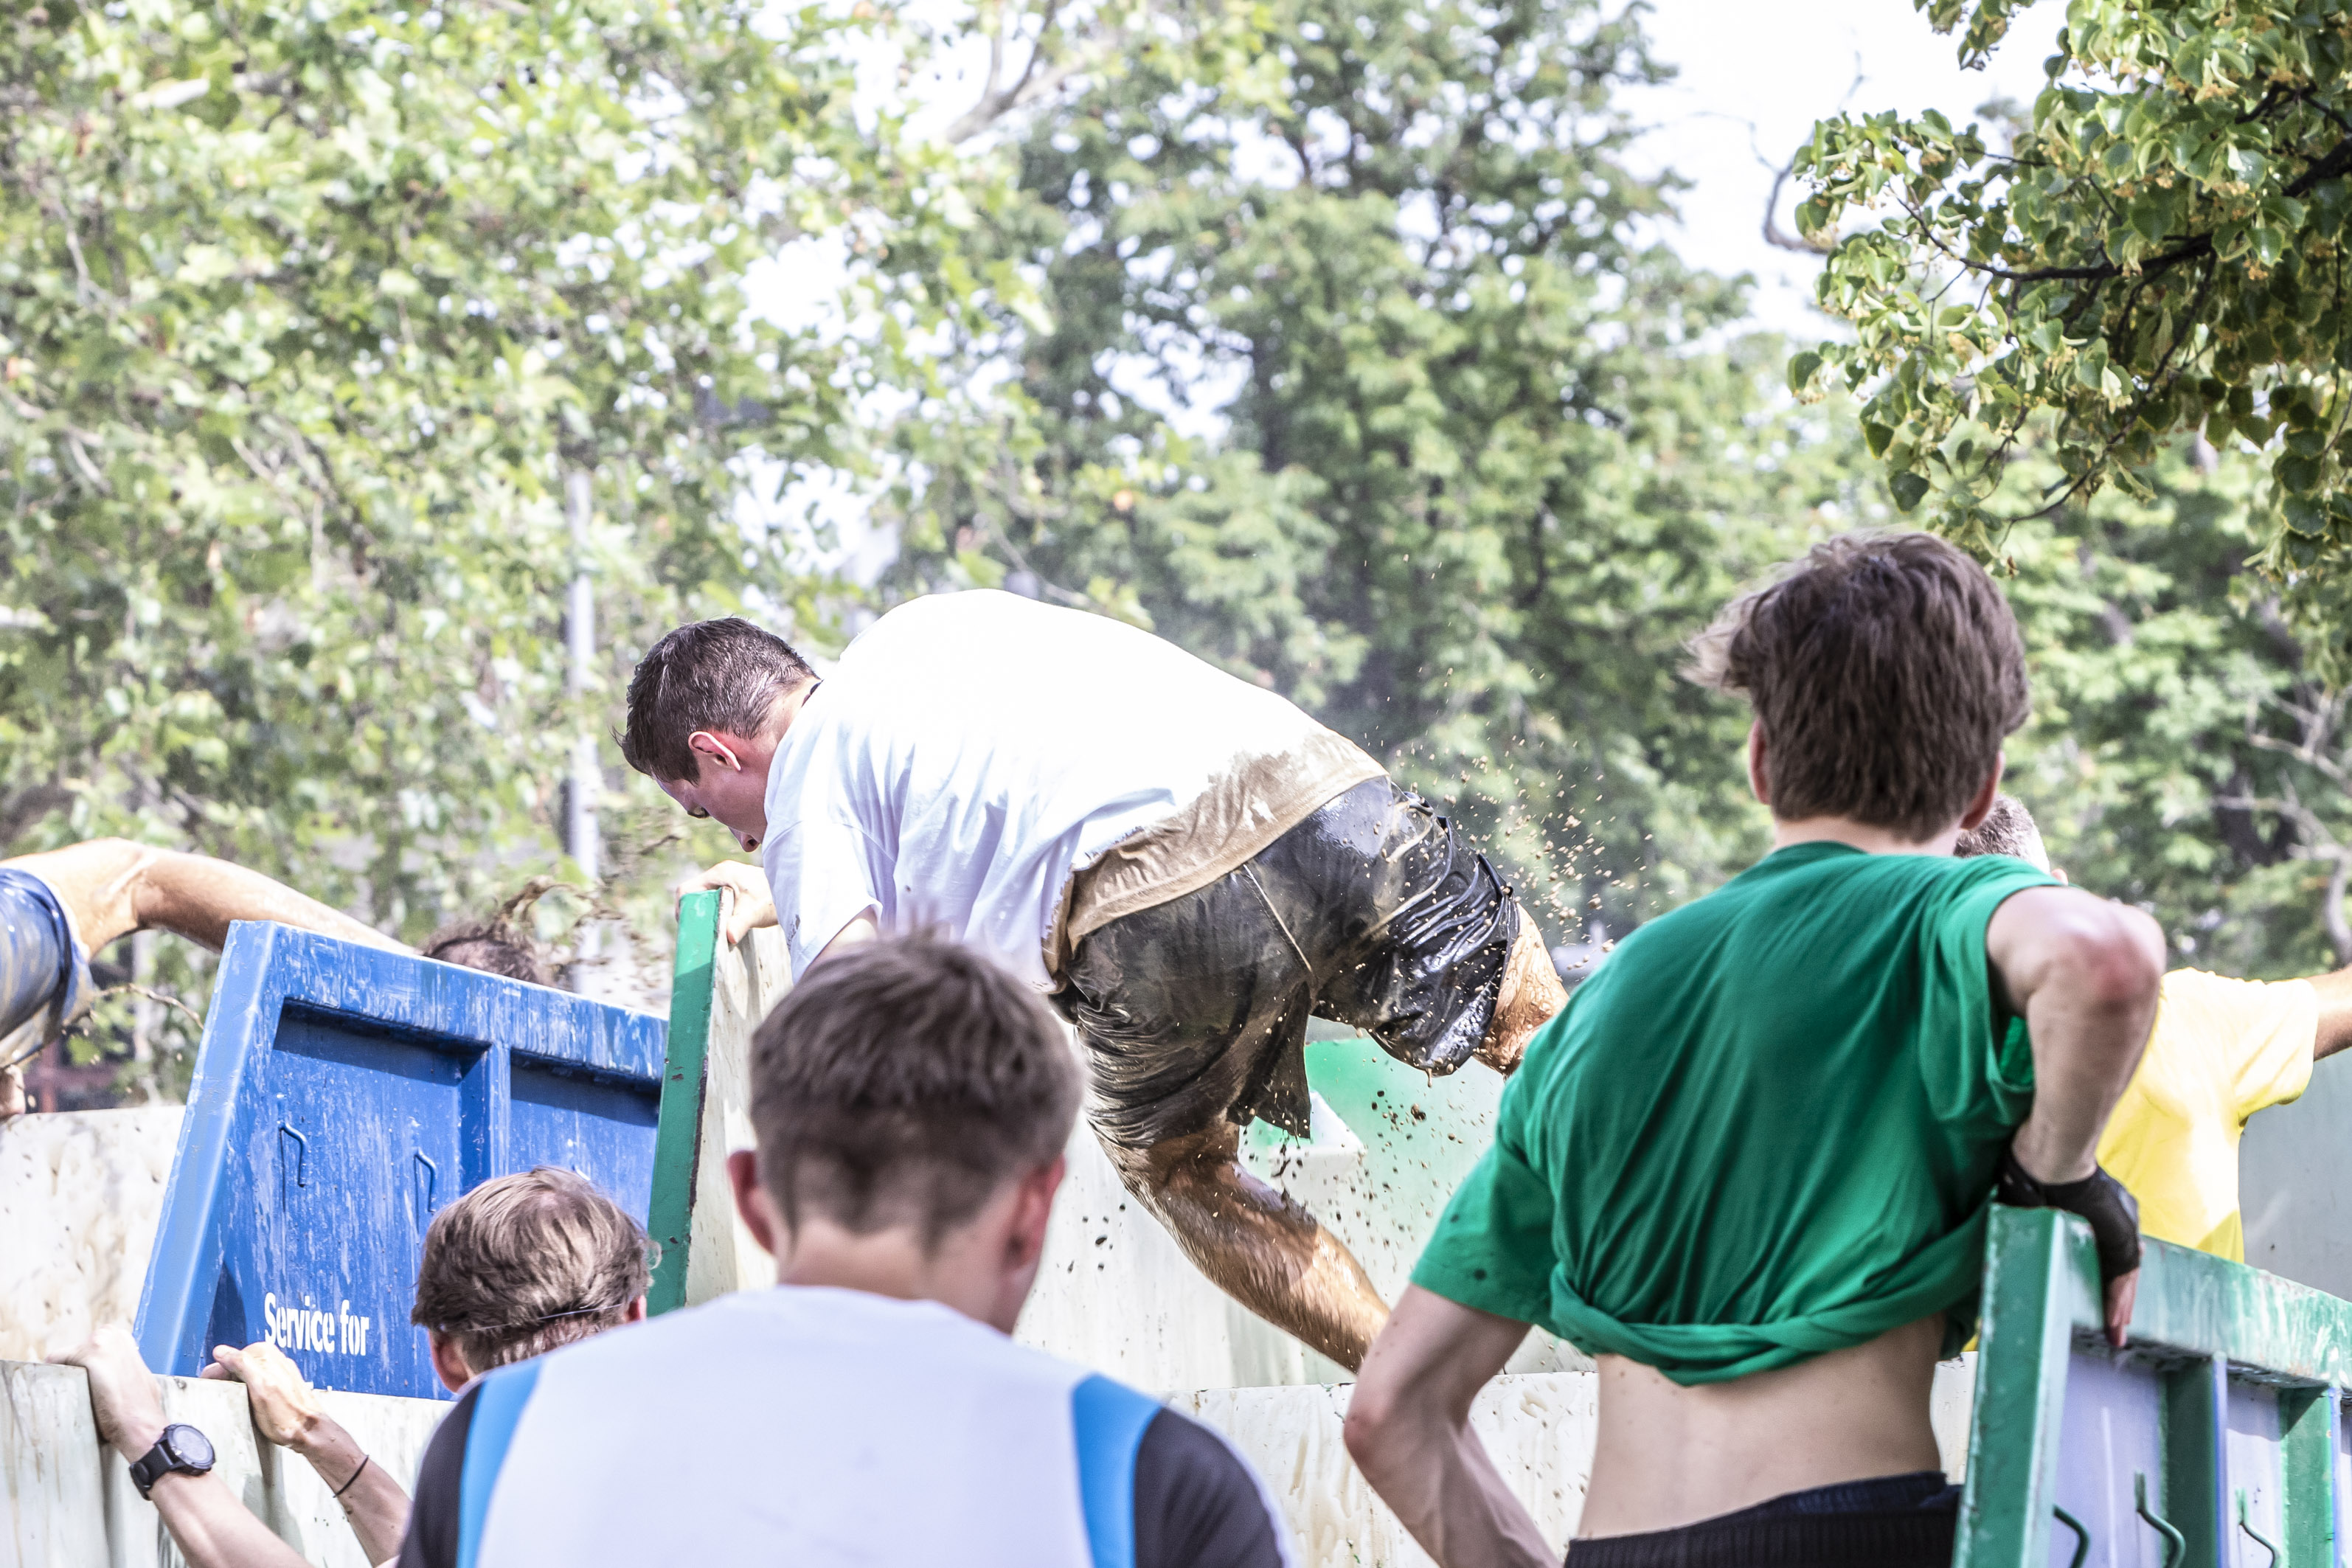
{"type": "Point", "coordinates": [1531, 994]}
{"type": "Point", "coordinates": [1255, 1244]}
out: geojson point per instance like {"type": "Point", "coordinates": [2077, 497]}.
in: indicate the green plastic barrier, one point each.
{"type": "Point", "coordinates": [2214, 1439]}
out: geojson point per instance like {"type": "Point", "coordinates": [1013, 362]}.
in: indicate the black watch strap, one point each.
{"type": "Point", "coordinates": [181, 1448]}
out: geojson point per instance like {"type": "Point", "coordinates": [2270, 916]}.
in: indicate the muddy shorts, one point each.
{"type": "Point", "coordinates": [44, 973]}
{"type": "Point", "coordinates": [1374, 912]}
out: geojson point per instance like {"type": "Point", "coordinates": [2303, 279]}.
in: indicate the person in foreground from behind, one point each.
{"type": "Point", "coordinates": [514, 1268]}
{"type": "Point", "coordinates": [911, 1102]}
{"type": "Point", "coordinates": [1749, 1168]}
{"type": "Point", "coordinates": [2221, 1051]}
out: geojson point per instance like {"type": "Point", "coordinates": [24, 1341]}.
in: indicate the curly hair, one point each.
{"type": "Point", "coordinates": [528, 1262]}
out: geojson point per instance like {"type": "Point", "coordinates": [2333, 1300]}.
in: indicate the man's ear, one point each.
{"type": "Point", "coordinates": [1033, 1211]}
{"type": "Point", "coordinates": [720, 748]}
{"type": "Point", "coordinates": [637, 1312]}
{"type": "Point", "coordinates": [448, 1361]}
{"type": "Point", "coordinates": [1760, 780]}
{"type": "Point", "coordinates": [1981, 806]}
{"type": "Point", "coordinates": [752, 1201]}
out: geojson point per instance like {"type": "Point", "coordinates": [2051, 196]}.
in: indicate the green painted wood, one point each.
{"type": "Point", "coordinates": [2196, 1402]}
{"type": "Point", "coordinates": [678, 1138]}
{"type": "Point", "coordinates": [2006, 1508]}
{"type": "Point", "coordinates": [2307, 1475]}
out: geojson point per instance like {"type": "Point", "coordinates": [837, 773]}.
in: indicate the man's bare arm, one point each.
{"type": "Point", "coordinates": [1408, 1428]}
{"type": "Point", "coordinates": [864, 928]}
{"type": "Point", "coordinates": [2086, 972]}
{"type": "Point", "coordinates": [112, 887]}
{"type": "Point", "coordinates": [2334, 1013]}
{"type": "Point", "coordinates": [209, 1525]}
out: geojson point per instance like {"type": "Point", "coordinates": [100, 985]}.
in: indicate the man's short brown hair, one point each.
{"type": "Point", "coordinates": [528, 1262]}
{"type": "Point", "coordinates": [904, 1081]}
{"type": "Point", "coordinates": [2008, 829]}
{"type": "Point", "coordinates": [1885, 669]}
{"type": "Point", "coordinates": [723, 676]}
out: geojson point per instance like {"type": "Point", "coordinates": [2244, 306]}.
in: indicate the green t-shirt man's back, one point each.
{"type": "Point", "coordinates": [1768, 1128]}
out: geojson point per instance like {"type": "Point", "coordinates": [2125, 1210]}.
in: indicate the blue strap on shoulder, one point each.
{"type": "Point", "coordinates": [1109, 1419]}
{"type": "Point", "coordinates": [497, 1409]}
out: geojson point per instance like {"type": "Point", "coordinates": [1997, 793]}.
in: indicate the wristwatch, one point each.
{"type": "Point", "coordinates": [181, 1447]}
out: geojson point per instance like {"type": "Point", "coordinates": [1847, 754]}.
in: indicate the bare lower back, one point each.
{"type": "Point", "coordinates": [1669, 1455]}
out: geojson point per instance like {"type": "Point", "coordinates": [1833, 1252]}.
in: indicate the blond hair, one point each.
{"type": "Point", "coordinates": [528, 1262]}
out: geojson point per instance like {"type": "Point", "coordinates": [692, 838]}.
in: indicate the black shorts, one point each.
{"type": "Point", "coordinates": [1372, 913]}
{"type": "Point", "coordinates": [1891, 1522]}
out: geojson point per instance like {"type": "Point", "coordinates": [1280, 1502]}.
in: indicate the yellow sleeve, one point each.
{"type": "Point", "coordinates": [2256, 1035]}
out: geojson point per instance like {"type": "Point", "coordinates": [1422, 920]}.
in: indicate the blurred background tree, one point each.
{"type": "Point", "coordinates": [306, 312]}
{"type": "Point", "coordinates": [1337, 344]}
{"type": "Point", "coordinates": [1361, 379]}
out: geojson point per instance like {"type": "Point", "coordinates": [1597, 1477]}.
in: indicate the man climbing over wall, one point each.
{"type": "Point", "coordinates": [1749, 1168]}
{"type": "Point", "coordinates": [59, 907]}
{"type": "Point", "coordinates": [2221, 1051]}
{"type": "Point", "coordinates": [1189, 863]}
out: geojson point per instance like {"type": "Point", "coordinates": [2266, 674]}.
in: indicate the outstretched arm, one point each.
{"type": "Point", "coordinates": [112, 887]}
{"type": "Point", "coordinates": [1408, 1429]}
{"type": "Point", "coordinates": [286, 1410]}
{"type": "Point", "coordinates": [2084, 973]}
{"type": "Point", "coordinates": [2334, 1013]}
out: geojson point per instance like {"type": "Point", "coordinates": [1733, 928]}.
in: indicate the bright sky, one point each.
{"type": "Point", "coordinates": [1754, 75]}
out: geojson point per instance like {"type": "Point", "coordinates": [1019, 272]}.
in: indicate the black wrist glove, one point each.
{"type": "Point", "coordinates": [2098, 1197]}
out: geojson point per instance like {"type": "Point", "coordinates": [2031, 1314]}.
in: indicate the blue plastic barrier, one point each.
{"type": "Point", "coordinates": [342, 1095]}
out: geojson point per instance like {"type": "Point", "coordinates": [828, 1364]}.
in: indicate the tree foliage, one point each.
{"type": "Point", "coordinates": [1356, 379]}
{"type": "Point", "coordinates": [2159, 250]}
{"type": "Point", "coordinates": [306, 313]}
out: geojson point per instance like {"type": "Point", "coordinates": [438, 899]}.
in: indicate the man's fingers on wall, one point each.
{"type": "Point", "coordinates": [2121, 1292]}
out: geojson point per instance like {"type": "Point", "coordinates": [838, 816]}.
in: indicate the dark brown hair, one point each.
{"type": "Point", "coordinates": [1885, 669]}
{"type": "Point", "coordinates": [723, 676]}
{"type": "Point", "coordinates": [500, 944]}
{"type": "Point", "coordinates": [904, 1081]}
{"type": "Point", "coordinates": [528, 1262]}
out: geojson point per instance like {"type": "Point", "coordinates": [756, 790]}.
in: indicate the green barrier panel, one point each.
{"type": "Point", "coordinates": [677, 1142]}
{"type": "Point", "coordinates": [2213, 1440]}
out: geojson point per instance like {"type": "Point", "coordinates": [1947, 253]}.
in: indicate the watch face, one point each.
{"type": "Point", "coordinates": [188, 1447]}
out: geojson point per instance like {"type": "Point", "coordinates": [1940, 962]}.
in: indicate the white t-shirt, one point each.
{"type": "Point", "coordinates": [971, 750]}
{"type": "Point", "coordinates": [818, 1428]}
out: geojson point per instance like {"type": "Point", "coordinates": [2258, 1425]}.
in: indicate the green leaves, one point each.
{"type": "Point", "coordinates": [2157, 253]}
{"type": "Point", "coordinates": [305, 313]}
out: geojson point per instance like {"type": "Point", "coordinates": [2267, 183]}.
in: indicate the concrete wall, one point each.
{"type": "Point", "coordinates": [66, 1502]}
{"type": "Point", "coordinates": [80, 1192]}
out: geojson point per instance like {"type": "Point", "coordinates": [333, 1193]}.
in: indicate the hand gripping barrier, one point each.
{"type": "Point", "coordinates": [2214, 1439]}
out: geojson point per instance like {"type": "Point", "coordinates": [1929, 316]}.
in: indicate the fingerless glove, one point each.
{"type": "Point", "coordinates": [2098, 1197]}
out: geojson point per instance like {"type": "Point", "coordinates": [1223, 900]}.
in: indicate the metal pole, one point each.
{"type": "Point", "coordinates": [587, 775]}
{"type": "Point", "coordinates": [580, 831]}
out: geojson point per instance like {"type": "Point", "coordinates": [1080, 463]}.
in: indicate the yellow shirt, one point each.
{"type": "Point", "coordinates": [2221, 1051]}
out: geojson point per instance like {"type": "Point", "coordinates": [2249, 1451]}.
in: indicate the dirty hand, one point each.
{"type": "Point", "coordinates": [122, 1393]}
{"type": "Point", "coordinates": [745, 903]}
{"type": "Point", "coordinates": [285, 1409]}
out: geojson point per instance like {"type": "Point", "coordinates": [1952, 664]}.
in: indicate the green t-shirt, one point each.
{"type": "Point", "coordinates": [1768, 1128]}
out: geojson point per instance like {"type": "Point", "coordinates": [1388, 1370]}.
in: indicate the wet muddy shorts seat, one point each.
{"type": "Point", "coordinates": [44, 973]}
{"type": "Point", "coordinates": [1374, 912]}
